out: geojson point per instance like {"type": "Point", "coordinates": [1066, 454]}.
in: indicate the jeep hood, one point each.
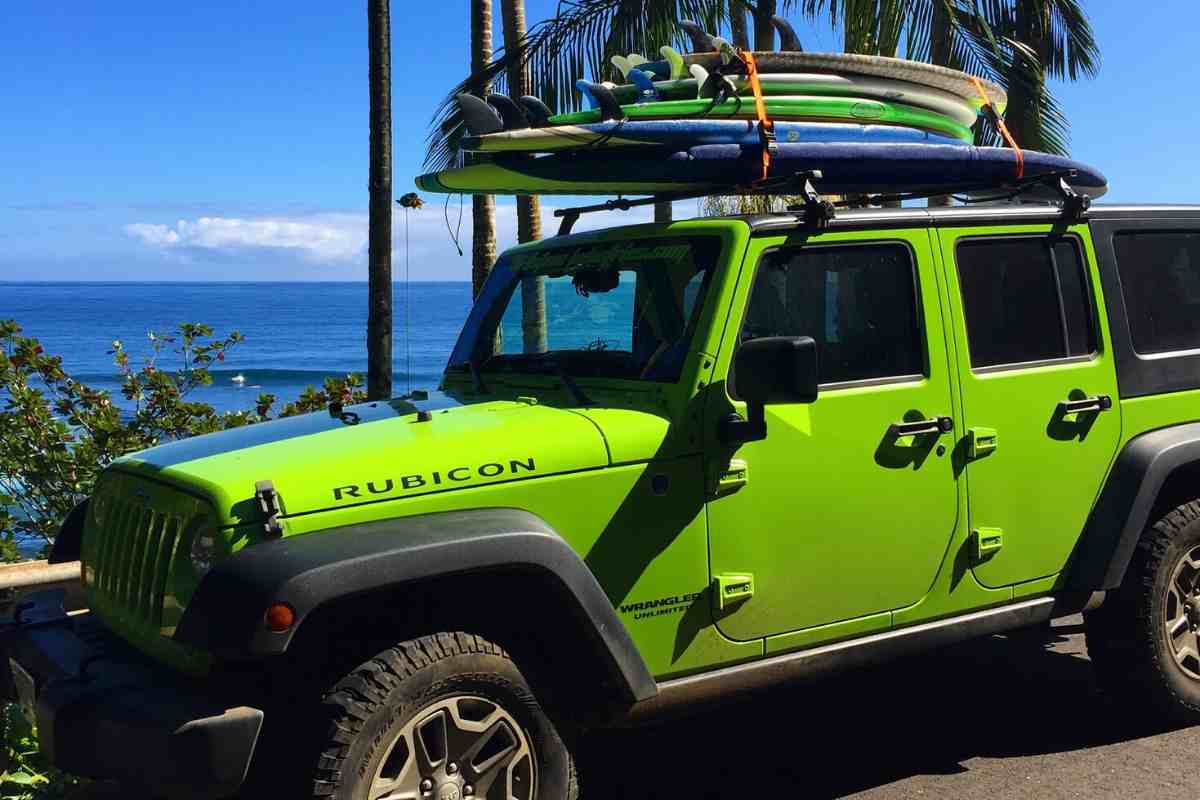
{"type": "Point", "coordinates": [375, 451]}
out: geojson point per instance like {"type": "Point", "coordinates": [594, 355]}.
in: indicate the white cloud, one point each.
{"type": "Point", "coordinates": [314, 244]}
{"type": "Point", "coordinates": [322, 238]}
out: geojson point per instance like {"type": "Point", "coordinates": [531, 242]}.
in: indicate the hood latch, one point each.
{"type": "Point", "coordinates": [269, 503]}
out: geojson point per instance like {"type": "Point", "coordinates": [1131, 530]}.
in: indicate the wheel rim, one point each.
{"type": "Point", "coordinates": [459, 748]}
{"type": "Point", "coordinates": [1182, 613]}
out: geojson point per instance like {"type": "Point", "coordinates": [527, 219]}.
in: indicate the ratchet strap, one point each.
{"type": "Point", "coordinates": [999, 123]}
{"type": "Point", "coordinates": [766, 128]}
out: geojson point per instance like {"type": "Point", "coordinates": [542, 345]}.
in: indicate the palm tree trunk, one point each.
{"type": "Point", "coordinates": [737, 25]}
{"type": "Point", "coordinates": [379, 239]}
{"type": "Point", "coordinates": [663, 211]}
{"type": "Point", "coordinates": [483, 206]}
{"type": "Point", "coordinates": [529, 209]}
{"type": "Point", "coordinates": [941, 33]}
{"type": "Point", "coordinates": [764, 32]}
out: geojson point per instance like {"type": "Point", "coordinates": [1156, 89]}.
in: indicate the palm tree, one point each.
{"type": "Point", "coordinates": [379, 245]}
{"type": "Point", "coordinates": [483, 206]}
{"type": "Point", "coordinates": [529, 209]}
{"type": "Point", "coordinates": [1063, 47]}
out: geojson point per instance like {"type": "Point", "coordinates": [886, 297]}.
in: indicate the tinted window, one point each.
{"type": "Point", "coordinates": [1025, 299]}
{"type": "Point", "coordinates": [1160, 278]}
{"type": "Point", "coordinates": [858, 302]}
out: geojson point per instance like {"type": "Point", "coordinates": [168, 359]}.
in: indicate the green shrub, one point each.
{"type": "Point", "coordinates": [57, 434]}
{"type": "Point", "coordinates": [28, 776]}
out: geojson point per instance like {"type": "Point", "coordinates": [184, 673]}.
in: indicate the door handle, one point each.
{"type": "Point", "coordinates": [1098, 403]}
{"type": "Point", "coordinates": [921, 427]}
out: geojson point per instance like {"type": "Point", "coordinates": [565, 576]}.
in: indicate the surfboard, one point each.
{"type": "Point", "coordinates": [949, 80]}
{"type": "Point", "coordinates": [787, 108]}
{"type": "Point", "coordinates": [847, 168]}
{"type": "Point", "coordinates": [683, 133]}
{"type": "Point", "coordinates": [962, 111]}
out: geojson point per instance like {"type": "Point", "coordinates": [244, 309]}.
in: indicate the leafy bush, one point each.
{"type": "Point", "coordinates": [28, 776]}
{"type": "Point", "coordinates": [57, 434]}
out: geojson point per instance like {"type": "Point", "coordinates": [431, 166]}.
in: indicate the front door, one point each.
{"type": "Point", "coordinates": [841, 512]}
{"type": "Point", "coordinates": [1039, 393]}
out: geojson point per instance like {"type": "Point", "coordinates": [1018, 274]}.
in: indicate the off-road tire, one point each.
{"type": "Point", "coordinates": [1126, 636]}
{"type": "Point", "coordinates": [372, 704]}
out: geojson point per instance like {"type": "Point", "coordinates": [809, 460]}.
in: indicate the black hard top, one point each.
{"type": "Point", "coordinates": [1012, 214]}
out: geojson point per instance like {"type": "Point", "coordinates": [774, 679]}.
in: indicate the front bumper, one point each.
{"type": "Point", "coordinates": [104, 711]}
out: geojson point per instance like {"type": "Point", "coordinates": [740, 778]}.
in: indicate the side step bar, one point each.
{"type": "Point", "coordinates": [679, 693]}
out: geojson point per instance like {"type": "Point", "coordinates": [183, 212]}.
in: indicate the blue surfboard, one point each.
{"type": "Point", "coordinates": [679, 134]}
{"type": "Point", "coordinates": [847, 167]}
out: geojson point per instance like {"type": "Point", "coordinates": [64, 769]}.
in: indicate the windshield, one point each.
{"type": "Point", "coordinates": [614, 309]}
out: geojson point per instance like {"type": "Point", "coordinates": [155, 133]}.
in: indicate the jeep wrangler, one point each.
{"type": "Point", "coordinates": [738, 451]}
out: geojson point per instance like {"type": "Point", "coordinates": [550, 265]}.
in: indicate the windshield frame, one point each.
{"type": "Point", "coordinates": [707, 249]}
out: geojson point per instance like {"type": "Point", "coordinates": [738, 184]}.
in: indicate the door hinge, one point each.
{"type": "Point", "coordinates": [986, 542]}
{"type": "Point", "coordinates": [981, 441]}
{"type": "Point", "coordinates": [269, 503]}
{"type": "Point", "coordinates": [732, 589]}
{"type": "Point", "coordinates": [733, 477]}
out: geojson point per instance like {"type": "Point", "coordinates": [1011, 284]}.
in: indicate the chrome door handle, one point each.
{"type": "Point", "coordinates": [1098, 403]}
{"type": "Point", "coordinates": [922, 427]}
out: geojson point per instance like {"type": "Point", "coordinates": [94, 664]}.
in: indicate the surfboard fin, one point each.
{"type": "Point", "coordinates": [623, 66]}
{"type": "Point", "coordinates": [536, 111]}
{"type": "Point", "coordinates": [644, 82]}
{"type": "Point", "coordinates": [674, 61]}
{"type": "Point", "coordinates": [606, 101]}
{"type": "Point", "coordinates": [480, 118]}
{"type": "Point", "coordinates": [702, 41]}
{"type": "Point", "coordinates": [511, 115]}
{"type": "Point", "coordinates": [788, 40]}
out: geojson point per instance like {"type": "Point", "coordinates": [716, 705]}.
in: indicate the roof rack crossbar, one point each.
{"type": "Point", "coordinates": [816, 212]}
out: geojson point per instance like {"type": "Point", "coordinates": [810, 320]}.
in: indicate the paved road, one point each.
{"type": "Point", "coordinates": [993, 719]}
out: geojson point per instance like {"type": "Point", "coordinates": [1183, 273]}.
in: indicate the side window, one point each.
{"type": "Point", "coordinates": [1025, 299]}
{"type": "Point", "coordinates": [1160, 279]}
{"type": "Point", "coordinates": [857, 301]}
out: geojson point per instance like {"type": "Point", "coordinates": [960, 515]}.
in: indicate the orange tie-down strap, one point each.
{"type": "Point", "coordinates": [1003, 128]}
{"type": "Point", "coordinates": [766, 128]}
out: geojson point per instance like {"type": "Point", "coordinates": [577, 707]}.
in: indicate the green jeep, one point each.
{"type": "Point", "coordinates": [740, 451]}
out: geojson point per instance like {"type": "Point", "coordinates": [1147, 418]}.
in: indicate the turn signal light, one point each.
{"type": "Point", "coordinates": [280, 617]}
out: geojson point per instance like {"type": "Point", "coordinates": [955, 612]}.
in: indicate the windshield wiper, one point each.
{"type": "Point", "coordinates": [476, 377]}
{"type": "Point", "coordinates": [569, 383]}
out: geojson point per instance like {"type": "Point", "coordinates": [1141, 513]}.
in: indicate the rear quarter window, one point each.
{"type": "Point", "coordinates": [1160, 282]}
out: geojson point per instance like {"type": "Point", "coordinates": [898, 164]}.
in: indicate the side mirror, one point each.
{"type": "Point", "coordinates": [771, 370]}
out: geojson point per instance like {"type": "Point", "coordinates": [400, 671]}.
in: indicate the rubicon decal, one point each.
{"type": "Point", "coordinates": [433, 479]}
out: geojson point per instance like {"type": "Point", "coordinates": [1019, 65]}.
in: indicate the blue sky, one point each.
{"type": "Point", "coordinates": [228, 141]}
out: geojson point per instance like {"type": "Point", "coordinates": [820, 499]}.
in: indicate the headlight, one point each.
{"type": "Point", "coordinates": [204, 544]}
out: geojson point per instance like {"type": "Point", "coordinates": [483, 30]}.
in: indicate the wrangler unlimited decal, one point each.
{"type": "Point", "coordinates": [420, 480]}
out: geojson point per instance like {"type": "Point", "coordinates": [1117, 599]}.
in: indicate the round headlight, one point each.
{"type": "Point", "coordinates": [204, 545]}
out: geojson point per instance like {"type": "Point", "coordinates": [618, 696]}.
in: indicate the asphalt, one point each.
{"type": "Point", "coordinates": [1004, 717]}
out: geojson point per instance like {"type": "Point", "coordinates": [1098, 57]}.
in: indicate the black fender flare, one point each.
{"type": "Point", "coordinates": [225, 616]}
{"type": "Point", "coordinates": [1123, 509]}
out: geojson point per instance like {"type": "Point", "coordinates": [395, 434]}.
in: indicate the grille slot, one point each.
{"type": "Point", "coordinates": [133, 560]}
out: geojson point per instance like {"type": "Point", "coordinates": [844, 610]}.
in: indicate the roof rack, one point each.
{"type": "Point", "coordinates": [816, 212]}
{"type": "Point", "coordinates": [798, 183]}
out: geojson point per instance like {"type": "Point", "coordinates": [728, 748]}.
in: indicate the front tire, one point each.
{"type": "Point", "coordinates": [444, 717]}
{"type": "Point", "coordinates": [1144, 641]}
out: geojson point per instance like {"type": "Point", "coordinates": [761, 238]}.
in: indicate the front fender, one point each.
{"type": "Point", "coordinates": [225, 616]}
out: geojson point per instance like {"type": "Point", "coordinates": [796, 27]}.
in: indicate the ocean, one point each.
{"type": "Point", "coordinates": [296, 334]}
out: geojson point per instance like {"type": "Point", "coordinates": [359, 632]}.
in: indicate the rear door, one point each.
{"type": "Point", "coordinates": [1039, 391]}
{"type": "Point", "coordinates": [837, 514]}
